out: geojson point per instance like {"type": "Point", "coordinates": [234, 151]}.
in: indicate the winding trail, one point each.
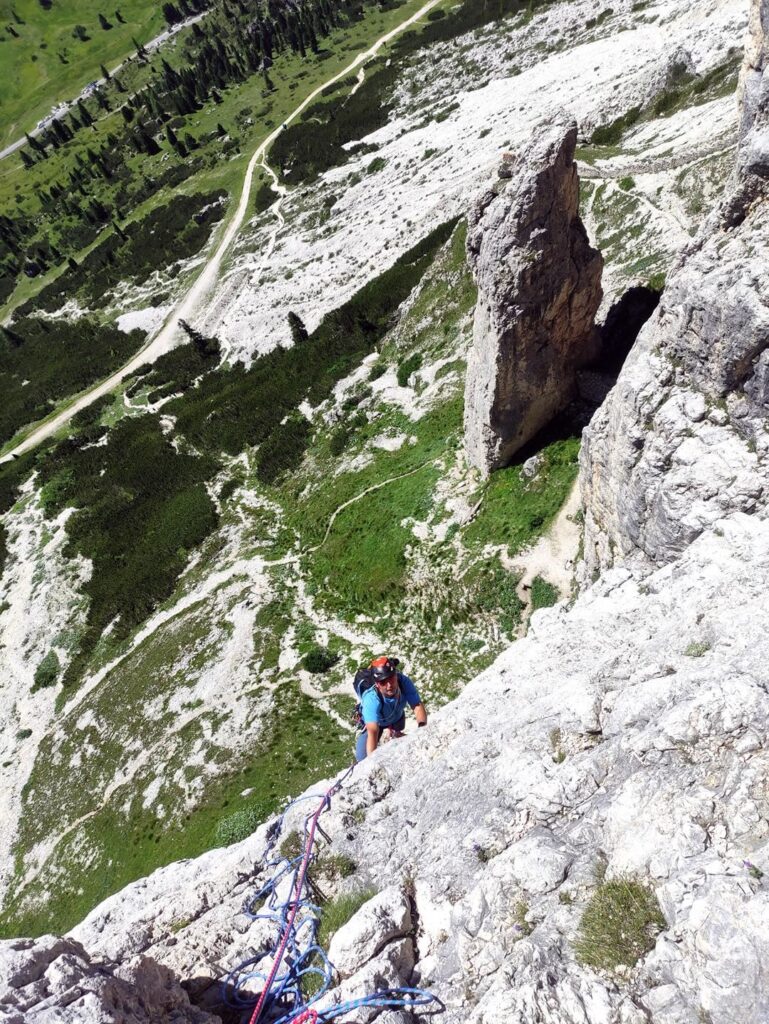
{"type": "Point", "coordinates": [248, 568]}
{"type": "Point", "coordinates": [203, 285]}
{"type": "Point", "coordinates": [252, 571]}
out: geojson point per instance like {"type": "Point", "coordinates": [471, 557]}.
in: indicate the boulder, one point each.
{"type": "Point", "coordinates": [385, 917]}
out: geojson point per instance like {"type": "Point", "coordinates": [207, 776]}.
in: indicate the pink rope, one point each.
{"type": "Point", "coordinates": [300, 877]}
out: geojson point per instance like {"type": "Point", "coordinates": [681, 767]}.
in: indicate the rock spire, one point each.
{"type": "Point", "coordinates": [539, 286]}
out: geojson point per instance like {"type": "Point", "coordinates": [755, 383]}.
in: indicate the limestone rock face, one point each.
{"type": "Point", "coordinates": [54, 981]}
{"type": "Point", "coordinates": [629, 734]}
{"type": "Point", "coordinates": [682, 438]}
{"type": "Point", "coordinates": [539, 286]}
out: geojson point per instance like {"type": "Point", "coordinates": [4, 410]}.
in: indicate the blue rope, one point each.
{"type": "Point", "coordinates": [303, 957]}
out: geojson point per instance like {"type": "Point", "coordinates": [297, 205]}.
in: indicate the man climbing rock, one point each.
{"type": "Point", "coordinates": [384, 694]}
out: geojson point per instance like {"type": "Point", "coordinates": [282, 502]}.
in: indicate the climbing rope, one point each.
{"type": "Point", "coordinates": [296, 955]}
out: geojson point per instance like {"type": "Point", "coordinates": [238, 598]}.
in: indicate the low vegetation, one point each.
{"type": "Point", "coordinates": [338, 912]}
{"type": "Point", "coordinates": [619, 926]}
{"type": "Point", "coordinates": [44, 361]}
{"type": "Point", "coordinates": [543, 593]}
{"type": "Point", "coordinates": [142, 506]}
{"type": "Point", "coordinates": [167, 235]}
{"type": "Point", "coordinates": [681, 89]}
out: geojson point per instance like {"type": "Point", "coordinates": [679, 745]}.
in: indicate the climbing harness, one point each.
{"type": "Point", "coordinates": [296, 955]}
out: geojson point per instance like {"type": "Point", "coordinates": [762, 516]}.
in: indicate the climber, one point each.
{"type": "Point", "coordinates": [384, 693]}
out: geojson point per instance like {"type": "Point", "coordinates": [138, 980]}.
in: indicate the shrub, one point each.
{"type": "Point", "coordinates": [238, 826]}
{"type": "Point", "coordinates": [408, 366]}
{"type": "Point", "coordinates": [619, 926]}
{"type": "Point", "coordinates": [283, 449]}
{"type": "Point", "coordinates": [23, 734]}
{"type": "Point", "coordinates": [56, 359]}
{"type": "Point", "coordinates": [611, 134]}
{"type": "Point", "coordinates": [697, 648]}
{"type": "Point", "coordinates": [543, 593]}
{"type": "Point", "coordinates": [319, 660]}
{"type": "Point", "coordinates": [338, 441]}
{"type": "Point", "coordinates": [377, 370]}
{"type": "Point", "coordinates": [47, 672]}
{"type": "Point", "coordinates": [626, 184]}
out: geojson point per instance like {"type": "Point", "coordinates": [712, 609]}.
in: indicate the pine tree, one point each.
{"type": "Point", "coordinates": [299, 332]}
{"type": "Point", "coordinates": [85, 117]}
{"type": "Point", "coordinates": [34, 144]}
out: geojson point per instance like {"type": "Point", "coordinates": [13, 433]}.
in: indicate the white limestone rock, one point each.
{"type": "Point", "coordinates": [54, 981]}
{"type": "Point", "coordinates": [682, 438]}
{"type": "Point", "coordinates": [381, 920]}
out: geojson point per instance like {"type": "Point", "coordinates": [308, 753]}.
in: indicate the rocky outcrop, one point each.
{"type": "Point", "coordinates": [54, 981]}
{"type": "Point", "coordinates": [626, 736]}
{"type": "Point", "coordinates": [682, 438]}
{"type": "Point", "coordinates": [539, 286]}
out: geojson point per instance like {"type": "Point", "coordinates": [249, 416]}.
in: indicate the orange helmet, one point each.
{"type": "Point", "coordinates": [383, 668]}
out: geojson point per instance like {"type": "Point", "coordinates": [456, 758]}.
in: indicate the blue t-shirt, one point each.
{"type": "Point", "coordinates": [387, 710]}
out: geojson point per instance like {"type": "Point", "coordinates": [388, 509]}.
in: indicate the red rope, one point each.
{"type": "Point", "coordinates": [300, 877]}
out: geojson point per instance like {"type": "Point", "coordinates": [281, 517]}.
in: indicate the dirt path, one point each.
{"type": "Point", "coordinates": [203, 285]}
{"type": "Point", "coordinates": [65, 108]}
{"type": "Point", "coordinates": [553, 555]}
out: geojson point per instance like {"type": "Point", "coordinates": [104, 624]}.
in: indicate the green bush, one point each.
{"type": "Point", "coordinates": [319, 660]}
{"type": "Point", "coordinates": [47, 672]}
{"type": "Point", "coordinates": [619, 926]}
{"type": "Point", "coordinates": [338, 441]}
{"type": "Point", "coordinates": [141, 507]}
{"type": "Point", "coordinates": [238, 826]}
{"type": "Point", "coordinates": [283, 449]}
{"type": "Point", "coordinates": [408, 366]}
{"type": "Point", "coordinates": [626, 184]}
{"type": "Point", "coordinates": [611, 134]}
{"type": "Point", "coordinates": [169, 233]}
{"type": "Point", "coordinates": [543, 593]}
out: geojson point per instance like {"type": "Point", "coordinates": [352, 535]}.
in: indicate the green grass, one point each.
{"type": "Point", "coordinates": [362, 562]}
{"type": "Point", "coordinates": [339, 911]}
{"type": "Point", "coordinates": [619, 926]}
{"type": "Point", "coordinates": [116, 845]}
{"type": "Point", "coordinates": [34, 78]}
{"type": "Point", "coordinates": [515, 510]}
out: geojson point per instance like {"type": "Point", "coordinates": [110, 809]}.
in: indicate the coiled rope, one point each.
{"type": "Point", "coordinates": [296, 954]}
